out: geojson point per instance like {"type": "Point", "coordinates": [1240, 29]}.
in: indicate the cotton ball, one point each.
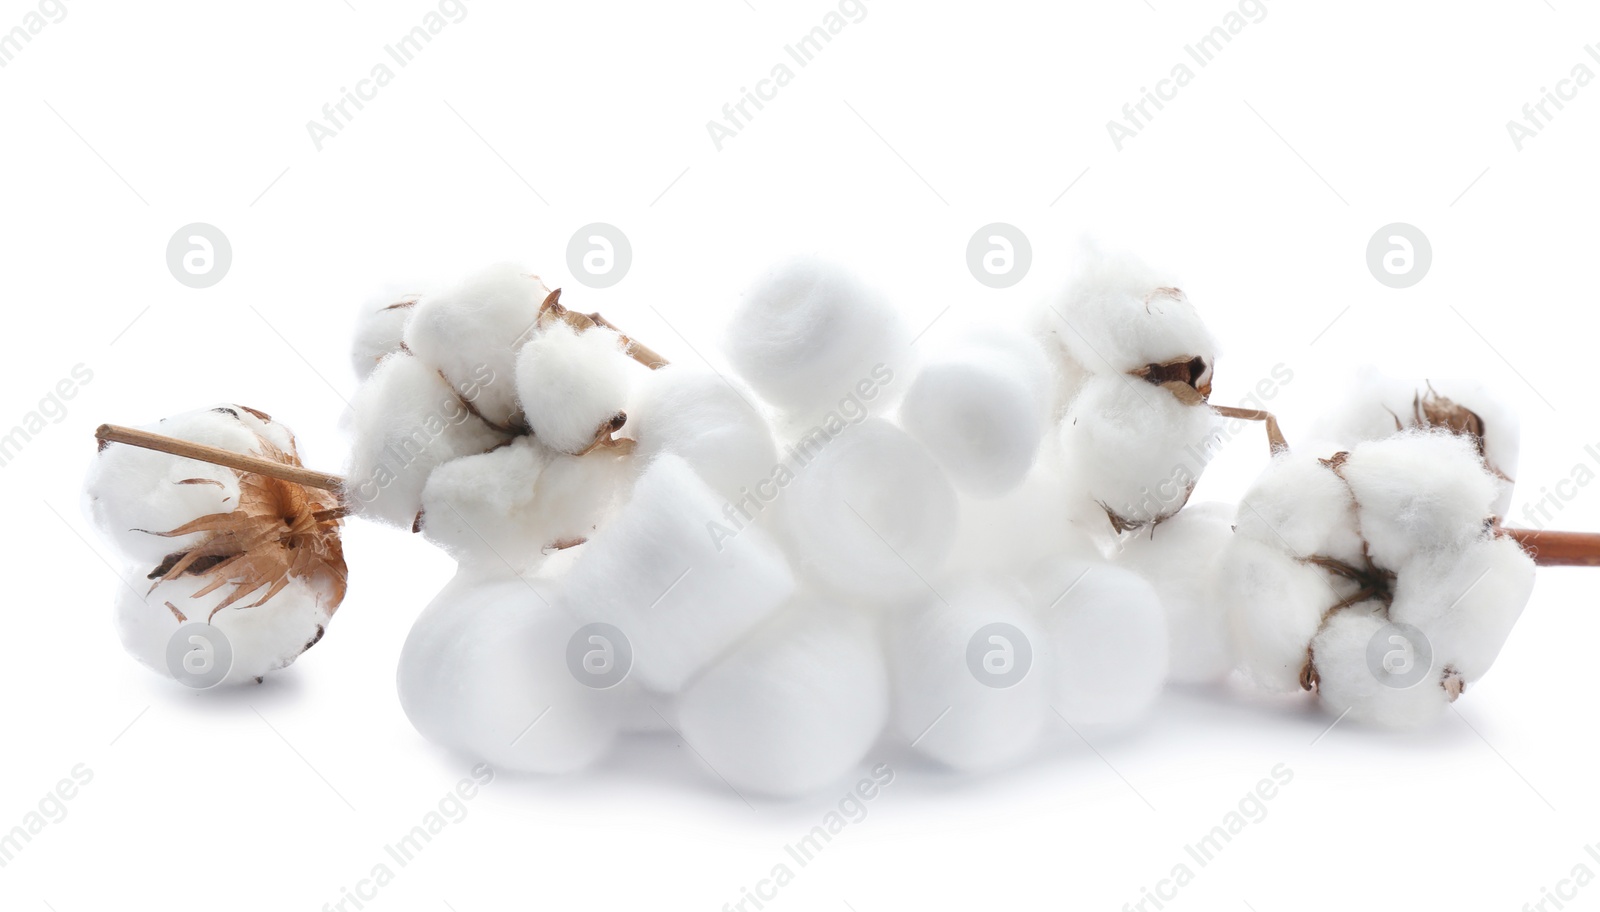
{"type": "Point", "coordinates": [1418, 491]}
{"type": "Point", "coordinates": [1276, 604]}
{"type": "Point", "coordinates": [486, 669]}
{"type": "Point", "coordinates": [794, 707]}
{"type": "Point", "coordinates": [1017, 530]}
{"type": "Point", "coordinates": [473, 331]}
{"type": "Point", "coordinates": [259, 638]}
{"type": "Point", "coordinates": [809, 335]}
{"type": "Point", "coordinates": [407, 421]}
{"type": "Point", "coordinates": [1133, 448]}
{"type": "Point", "coordinates": [971, 675]}
{"type": "Point", "coordinates": [572, 386]}
{"type": "Point", "coordinates": [708, 421]}
{"type": "Point", "coordinates": [870, 512]}
{"type": "Point", "coordinates": [981, 410]}
{"type": "Point", "coordinates": [1466, 602]}
{"type": "Point", "coordinates": [380, 327]}
{"type": "Point", "coordinates": [1118, 314]}
{"type": "Point", "coordinates": [1390, 691]}
{"type": "Point", "coordinates": [1180, 558]}
{"type": "Point", "coordinates": [680, 585]}
{"type": "Point", "coordinates": [1107, 636]}
{"type": "Point", "coordinates": [1299, 504]}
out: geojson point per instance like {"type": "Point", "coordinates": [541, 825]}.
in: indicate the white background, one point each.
{"type": "Point", "coordinates": [1261, 184]}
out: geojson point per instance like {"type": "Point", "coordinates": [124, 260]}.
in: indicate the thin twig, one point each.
{"type": "Point", "coordinates": [1274, 433]}
{"type": "Point", "coordinates": [112, 433]}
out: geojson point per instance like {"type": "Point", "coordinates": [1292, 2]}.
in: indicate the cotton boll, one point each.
{"type": "Point", "coordinates": [674, 578]}
{"type": "Point", "coordinates": [380, 327]}
{"type": "Point", "coordinates": [572, 386]}
{"type": "Point", "coordinates": [971, 675]}
{"type": "Point", "coordinates": [710, 422]}
{"type": "Point", "coordinates": [480, 508]}
{"type": "Point", "coordinates": [1349, 680]}
{"type": "Point", "coordinates": [473, 331]}
{"type": "Point", "coordinates": [1418, 491]}
{"type": "Point", "coordinates": [869, 512]}
{"type": "Point", "coordinates": [1466, 602]}
{"type": "Point", "coordinates": [1119, 315]}
{"type": "Point", "coordinates": [794, 707]}
{"type": "Point", "coordinates": [1276, 604]}
{"type": "Point", "coordinates": [485, 670]}
{"type": "Point", "coordinates": [809, 335]}
{"type": "Point", "coordinates": [1107, 636]}
{"type": "Point", "coordinates": [1300, 505]}
{"type": "Point", "coordinates": [260, 639]}
{"type": "Point", "coordinates": [981, 410]}
{"type": "Point", "coordinates": [407, 421]}
{"type": "Point", "coordinates": [1180, 558]}
{"type": "Point", "coordinates": [1133, 448]}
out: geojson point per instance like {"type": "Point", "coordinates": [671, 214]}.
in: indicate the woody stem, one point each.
{"type": "Point", "coordinates": [112, 433]}
{"type": "Point", "coordinates": [1558, 549]}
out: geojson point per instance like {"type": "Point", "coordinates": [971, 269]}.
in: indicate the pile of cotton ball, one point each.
{"type": "Point", "coordinates": [1375, 576]}
{"type": "Point", "coordinates": [231, 574]}
{"type": "Point", "coordinates": [846, 542]}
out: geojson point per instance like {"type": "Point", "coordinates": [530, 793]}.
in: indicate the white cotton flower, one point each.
{"type": "Point", "coordinates": [572, 386]}
{"type": "Point", "coordinates": [1417, 492]}
{"type": "Point", "coordinates": [407, 422]}
{"type": "Point", "coordinates": [1180, 558]}
{"type": "Point", "coordinates": [486, 672]}
{"type": "Point", "coordinates": [971, 675]}
{"type": "Point", "coordinates": [793, 707]}
{"type": "Point", "coordinates": [712, 422]}
{"type": "Point", "coordinates": [1299, 505]}
{"type": "Point", "coordinates": [380, 326]}
{"type": "Point", "coordinates": [472, 332]}
{"type": "Point", "coordinates": [1105, 631]}
{"type": "Point", "coordinates": [1277, 603]}
{"type": "Point", "coordinates": [809, 336]}
{"type": "Point", "coordinates": [981, 409]}
{"type": "Point", "coordinates": [868, 510]}
{"type": "Point", "coordinates": [1373, 692]}
{"type": "Point", "coordinates": [1134, 448]}
{"type": "Point", "coordinates": [670, 574]}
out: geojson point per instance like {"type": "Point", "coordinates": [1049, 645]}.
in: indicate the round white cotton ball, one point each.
{"type": "Point", "coordinates": [480, 508]}
{"type": "Point", "coordinates": [1107, 637]}
{"type": "Point", "coordinates": [1276, 604]}
{"type": "Point", "coordinates": [380, 326]}
{"type": "Point", "coordinates": [809, 335]}
{"type": "Point", "coordinates": [1118, 314]}
{"type": "Point", "coordinates": [1032, 522]}
{"type": "Point", "coordinates": [261, 638]}
{"type": "Point", "coordinates": [1416, 492]}
{"type": "Point", "coordinates": [795, 706]}
{"type": "Point", "coordinates": [573, 386]}
{"type": "Point", "coordinates": [407, 421]}
{"type": "Point", "coordinates": [1133, 448]}
{"type": "Point", "coordinates": [485, 671]}
{"type": "Point", "coordinates": [869, 512]}
{"type": "Point", "coordinates": [1300, 505]}
{"type": "Point", "coordinates": [968, 693]}
{"type": "Point", "coordinates": [981, 410]}
{"type": "Point", "coordinates": [473, 331]}
{"type": "Point", "coordinates": [1466, 602]}
{"type": "Point", "coordinates": [710, 422]}
{"type": "Point", "coordinates": [1180, 557]}
{"type": "Point", "coordinates": [1350, 682]}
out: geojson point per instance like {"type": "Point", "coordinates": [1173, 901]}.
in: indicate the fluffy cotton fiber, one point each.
{"type": "Point", "coordinates": [809, 335]}
{"type": "Point", "coordinates": [380, 326]}
{"type": "Point", "coordinates": [709, 421]}
{"type": "Point", "coordinates": [667, 571]}
{"type": "Point", "coordinates": [1179, 558]}
{"type": "Point", "coordinates": [795, 706]}
{"type": "Point", "coordinates": [573, 386]}
{"type": "Point", "coordinates": [1105, 631]}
